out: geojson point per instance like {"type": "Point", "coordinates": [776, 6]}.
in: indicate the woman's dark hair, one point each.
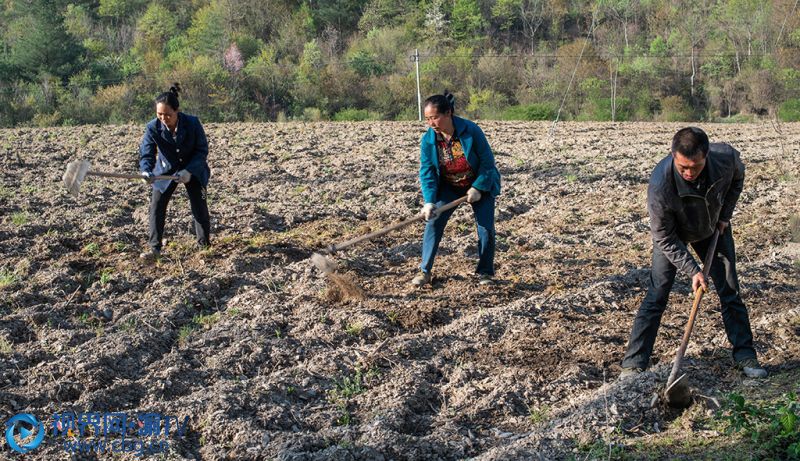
{"type": "Point", "coordinates": [170, 97]}
{"type": "Point", "coordinates": [691, 142]}
{"type": "Point", "coordinates": [443, 103]}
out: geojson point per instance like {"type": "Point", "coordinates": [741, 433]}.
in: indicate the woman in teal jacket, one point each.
{"type": "Point", "coordinates": [456, 160]}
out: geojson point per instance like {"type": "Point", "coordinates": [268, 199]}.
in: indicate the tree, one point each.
{"type": "Point", "coordinates": [38, 41]}
{"type": "Point", "coordinates": [467, 21]}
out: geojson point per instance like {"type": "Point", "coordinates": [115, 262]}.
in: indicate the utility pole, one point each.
{"type": "Point", "coordinates": [419, 94]}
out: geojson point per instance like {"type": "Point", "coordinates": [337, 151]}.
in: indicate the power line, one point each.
{"type": "Point", "coordinates": [601, 56]}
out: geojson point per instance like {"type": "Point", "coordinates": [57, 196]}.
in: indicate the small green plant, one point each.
{"type": "Point", "coordinates": [354, 329]}
{"type": "Point", "coordinates": [5, 346]}
{"type": "Point", "coordinates": [538, 415]}
{"type": "Point", "coordinates": [121, 247]}
{"type": "Point", "coordinates": [350, 386]}
{"type": "Point", "coordinates": [345, 388]}
{"type": "Point", "coordinates": [206, 320]}
{"type": "Point", "coordinates": [392, 316]}
{"type": "Point", "coordinates": [345, 419]}
{"type": "Point", "coordinates": [774, 427]}
{"type": "Point", "coordinates": [233, 312]}
{"type": "Point", "coordinates": [106, 275]}
{"type": "Point", "coordinates": [19, 218]}
{"type": "Point", "coordinates": [93, 249]}
{"type": "Point", "coordinates": [7, 277]}
{"type": "Point", "coordinates": [129, 325]}
{"type": "Point", "coordinates": [278, 333]}
{"type": "Point", "coordinates": [571, 177]}
{"type": "Point", "coordinates": [185, 332]}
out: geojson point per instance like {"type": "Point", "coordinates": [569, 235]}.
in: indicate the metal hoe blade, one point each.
{"type": "Point", "coordinates": [74, 176]}
{"type": "Point", "coordinates": [678, 394]}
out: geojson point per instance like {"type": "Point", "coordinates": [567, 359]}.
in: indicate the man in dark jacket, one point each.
{"type": "Point", "coordinates": [692, 192]}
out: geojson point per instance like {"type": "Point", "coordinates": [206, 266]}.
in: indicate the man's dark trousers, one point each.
{"type": "Point", "coordinates": [158, 212]}
{"type": "Point", "coordinates": [662, 275]}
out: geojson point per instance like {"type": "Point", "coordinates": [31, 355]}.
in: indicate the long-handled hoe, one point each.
{"type": "Point", "coordinates": [677, 393]}
{"type": "Point", "coordinates": [77, 171]}
{"type": "Point", "coordinates": [328, 267]}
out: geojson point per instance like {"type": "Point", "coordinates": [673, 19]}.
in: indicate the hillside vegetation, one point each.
{"type": "Point", "coordinates": [66, 62]}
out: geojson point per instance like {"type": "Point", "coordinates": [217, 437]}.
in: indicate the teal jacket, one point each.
{"type": "Point", "coordinates": [476, 149]}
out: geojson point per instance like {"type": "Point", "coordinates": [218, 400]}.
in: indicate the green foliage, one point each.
{"type": "Point", "coordinates": [355, 115]}
{"type": "Point", "coordinates": [658, 47]}
{"type": "Point", "coordinates": [40, 43]}
{"type": "Point", "coordinates": [536, 111]}
{"type": "Point", "coordinates": [773, 427]}
{"type": "Point", "coordinates": [7, 277]}
{"type": "Point", "coordinates": [467, 20]}
{"type": "Point", "coordinates": [675, 109]}
{"type": "Point", "coordinates": [78, 21]}
{"type": "Point", "coordinates": [486, 103]}
{"type": "Point", "coordinates": [93, 249]}
{"type": "Point", "coordinates": [506, 13]}
{"type": "Point", "coordinates": [207, 33]}
{"type": "Point", "coordinates": [5, 345]}
{"type": "Point", "coordinates": [365, 64]}
{"type": "Point", "coordinates": [789, 111]}
{"type": "Point", "coordinates": [155, 26]}
{"type": "Point", "coordinates": [119, 9]}
{"type": "Point", "coordinates": [74, 62]}
{"type": "Point", "coordinates": [106, 275]}
{"type": "Point", "coordinates": [19, 218]}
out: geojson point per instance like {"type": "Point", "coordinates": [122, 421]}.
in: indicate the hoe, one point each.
{"type": "Point", "coordinates": [328, 267]}
{"type": "Point", "coordinates": [677, 393]}
{"type": "Point", "coordinates": [78, 170]}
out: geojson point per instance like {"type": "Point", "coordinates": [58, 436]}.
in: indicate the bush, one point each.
{"type": "Point", "coordinates": [773, 427]}
{"type": "Point", "coordinates": [312, 114]}
{"type": "Point", "coordinates": [486, 103]}
{"type": "Point", "coordinates": [675, 109]}
{"type": "Point", "coordinates": [355, 115]}
{"type": "Point", "coordinates": [536, 111]}
{"type": "Point", "coordinates": [407, 114]}
{"type": "Point", "coordinates": [789, 111]}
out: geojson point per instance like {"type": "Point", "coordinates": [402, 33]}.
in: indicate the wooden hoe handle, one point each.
{"type": "Point", "coordinates": [341, 246]}
{"type": "Point", "coordinates": [698, 295]}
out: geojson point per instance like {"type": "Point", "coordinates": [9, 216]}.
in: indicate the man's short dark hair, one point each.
{"type": "Point", "coordinates": [691, 142]}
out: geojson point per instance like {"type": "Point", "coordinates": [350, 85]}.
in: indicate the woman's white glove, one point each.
{"type": "Point", "coordinates": [473, 195]}
{"type": "Point", "coordinates": [183, 176]}
{"type": "Point", "coordinates": [428, 211]}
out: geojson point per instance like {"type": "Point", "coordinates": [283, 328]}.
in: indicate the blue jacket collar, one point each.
{"type": "Point", "coordinates": [459, 127]}
{"type": "Point", "coordinates": [165, 133]}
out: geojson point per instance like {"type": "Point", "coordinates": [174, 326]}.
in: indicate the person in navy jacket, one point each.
{"type": "Point", "coordinates": [174, 143]}
{"type": "Point", "coordinates": [456, 160]}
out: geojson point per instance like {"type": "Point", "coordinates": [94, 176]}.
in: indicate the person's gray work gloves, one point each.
{"type": "Point", "coordinates": [473, 195]}
{"type": "Point", "coordinates": [183, 176]}
{"type": "Point", "coordinates": [428, 211]}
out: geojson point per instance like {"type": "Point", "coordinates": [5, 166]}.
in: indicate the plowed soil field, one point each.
{"type": "Point", "coordinates": [250, 342]}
